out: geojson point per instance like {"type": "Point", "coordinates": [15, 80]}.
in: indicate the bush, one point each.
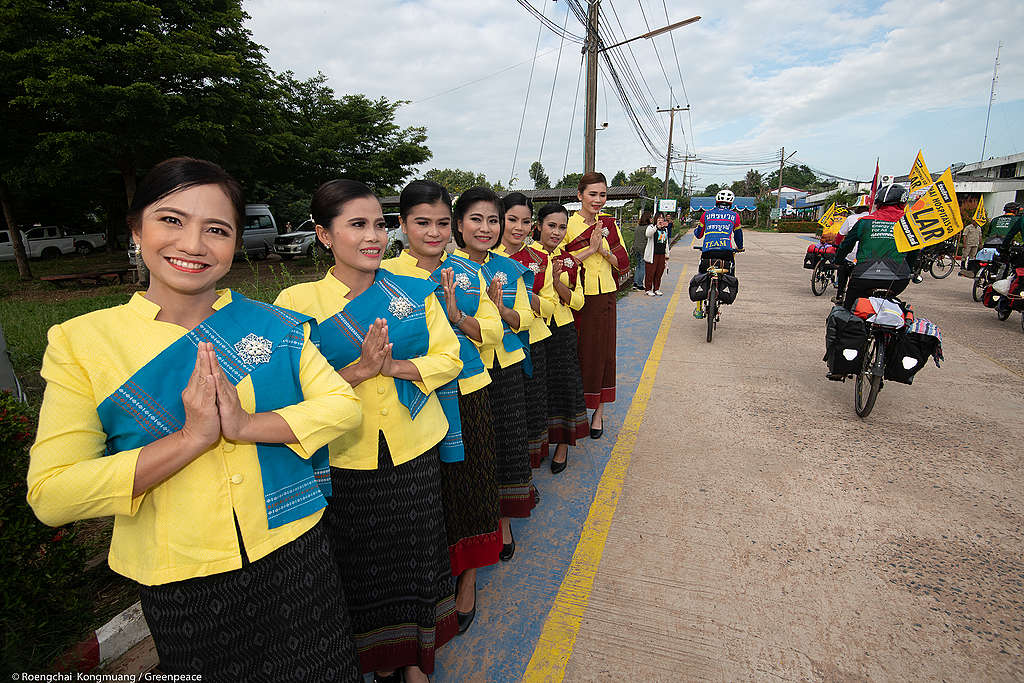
{"type": "Point", "coordinates": [42, 569]}
{"type": "Point", "coordinates": [799, 226]}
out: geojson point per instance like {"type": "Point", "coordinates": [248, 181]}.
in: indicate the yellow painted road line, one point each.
{"type": "Point", "coordinates": [551, 655]}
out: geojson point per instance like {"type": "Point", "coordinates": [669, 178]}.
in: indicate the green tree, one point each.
{"type": "Point", "coordinates": [754, 183]}
{"type": "Point", "coordinates": [541, 181]}
{"type": "Point", "coordinates": [456, 180]}
{"type": "Point", "coordinates": [711, 190]}
{"type": "Point", "coordinates": [619, 179]}
{"type": "Point", "coordinates": [570, 180]}
{"type": "Point", "coordinates": [800, 177]}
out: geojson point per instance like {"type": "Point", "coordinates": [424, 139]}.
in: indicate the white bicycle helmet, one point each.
{"type": "Point", "coordinates": [725, 197]}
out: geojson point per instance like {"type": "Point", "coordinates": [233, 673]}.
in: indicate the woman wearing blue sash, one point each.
{"type": "Point", "coordinates": [478, 228]}
{"type": "Point", "coordinates": [468, 484]}
{"type": "Point", "coordinates": [387, 335]}
{"type": "Point", "coordinates": [198, 419]}
{"type": "Point", "coordinates": [518, 227]}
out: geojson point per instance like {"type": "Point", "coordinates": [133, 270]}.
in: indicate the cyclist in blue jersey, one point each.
{"type": "Point", "coordinates": [718, 227]}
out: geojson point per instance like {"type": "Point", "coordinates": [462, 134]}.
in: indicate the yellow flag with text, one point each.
{"type": "Point", "coordinates": [919, 175]}
{"type": "Point", "coordinates": [933, 218]}
{"type": "Point", "coordinates": [980, 216]}
{"type": "Point", "coordinates": [826, 220]}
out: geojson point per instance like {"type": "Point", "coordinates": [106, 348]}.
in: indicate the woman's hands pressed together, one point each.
{"type": "Point", "coordinates": [202, 421]}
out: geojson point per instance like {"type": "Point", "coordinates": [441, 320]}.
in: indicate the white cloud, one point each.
{"type": "Point", "coordinates": [836, 80]}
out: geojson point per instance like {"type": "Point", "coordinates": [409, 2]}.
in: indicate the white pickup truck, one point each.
{"type": "Point", "coordinates": [50, 241]}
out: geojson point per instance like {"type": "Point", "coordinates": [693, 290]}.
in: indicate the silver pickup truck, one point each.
{"type": "Point", "coordinates": [50, 241]}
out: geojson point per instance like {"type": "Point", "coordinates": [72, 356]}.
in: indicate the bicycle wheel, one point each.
{"type": "Point", "coordinates": [819, 278]}
{"type": "Point", "coordinates": [943, 266]}
{"type": "Point", "coordinates": [711, 307]}
{"type": "Point", "coordinates": [980, 283]}
{"type": "Point", "coordinates": [868, 383]}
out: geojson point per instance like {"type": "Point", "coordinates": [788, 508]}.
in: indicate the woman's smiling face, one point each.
{"type": "Point", "coordinates": [552, 230]}
{"type": "Point", "coordinates": [481, 226]}
{"type": "Point", "coordinates": [357, 235]}
{"type": "Point", "coordinates": [428, 227]}
{"type": "Point", "coordinates": [518, 225]}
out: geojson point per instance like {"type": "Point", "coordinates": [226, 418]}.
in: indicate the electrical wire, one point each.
{"type": "Point", "coordinates": [550, 24]}
{"type": "Point", "coordinates": [526, 101]}
{"type": "Point", "coordinates": [482, 78]}
{"type": "Point", "coordinates": [679, 70]}
{"type": "Point", "coordinates": [551, 98]}
{"type": "Point", "coordinates": [658, 55]}
{"type": "Point", "coordinates": [572, 119]}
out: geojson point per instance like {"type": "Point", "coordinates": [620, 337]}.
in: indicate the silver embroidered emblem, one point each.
{"type": "Point", "coordinates": [604, 231]}
{"type": "Point", "coordinates": [253, 349]}
{"type": "Point", "coordinates": [568, 262]}
{"type": "Point", "coordinates": [535, 267]}
{"type": "Point", "coordinates": [400, 308]}
{"type": "Point", "coordinates": [462, 281]}
{"type": "Point", "coordinates": [502, 279]}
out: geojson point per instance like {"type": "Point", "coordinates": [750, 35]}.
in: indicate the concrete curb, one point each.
{"type": "Point", "coordinates": [108, 642]}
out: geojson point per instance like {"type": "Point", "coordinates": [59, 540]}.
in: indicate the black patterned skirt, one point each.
{"type": "Point", "coordinates": [280, 618]}
{"type": "Point", "coordinates": [470, 490]}
{"type": "Point", "coordinates": [567, 412]}
{"type": "Point", "coordinates": [515, 478]}
{"type": "Point", "coordinates": [535, 390]}
{"type": "Point", "coordinates": [387, 534]}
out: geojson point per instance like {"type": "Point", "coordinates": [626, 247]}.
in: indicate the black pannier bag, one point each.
{"type": "Point", "coordinates": [728, 287]}
{"type": "Point", "coordinates": [990, 297]}
{"type": "Point", "coordinates": [811, 260]}
{"type": "Point", "coordinates": [907, 354]}
{"type": "Point", "coordinates": [846, 340]}
{"type": "Point", "coordinates": [699, 286]}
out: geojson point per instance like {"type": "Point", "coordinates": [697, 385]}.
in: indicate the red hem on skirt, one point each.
{"type": "Point", "coordinates": [395, 655]}
{"type": "Point", "coordinates": [516, 505]}
{"type": "Point", "coordinates": [537, 456]}
{"type": "Point", "coordinates": [607, 395]}
{"type": "Point", "coordinates": [475, 552]}
{"type": "Point", "coordinates": [563, 435]}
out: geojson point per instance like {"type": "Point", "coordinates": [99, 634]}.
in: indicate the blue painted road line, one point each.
{"type": "Point", "coordinates": [514, 598]}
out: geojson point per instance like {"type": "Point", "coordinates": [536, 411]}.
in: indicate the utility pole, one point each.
{"type": "Point", "coordinates": [782, 162]}
{"type": "Point", "coordinates": [991, 96]}
{"type": "Point", "coordinates": [590, 136]}
{"type": "Point", "coordinates": [671, 126]}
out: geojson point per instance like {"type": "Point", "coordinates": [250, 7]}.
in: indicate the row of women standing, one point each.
{"type": "Point", "coordinates": [304, 491]}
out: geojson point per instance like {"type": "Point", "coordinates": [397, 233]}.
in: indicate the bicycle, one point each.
{"type": "Point", "coordinates": [872, 370]}
{"type": "Point", "coordinates": [939, 260]}
{"type": "Point", "coordinates": [825, 273]}
{"type": "Point", "coordinates": [712, 312]}
{"type": "Point", "coordinates": [989, 271]}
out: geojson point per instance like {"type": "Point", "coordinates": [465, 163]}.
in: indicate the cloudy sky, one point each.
{"type": "Point", "coordinates": [839, 83]}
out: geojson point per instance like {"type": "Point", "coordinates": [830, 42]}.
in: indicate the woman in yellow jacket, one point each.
{"type": "Point", "coordinates": [198, 419]}
{"type": "Point", "coordinates": [595, 241]}
{"type": "Point", "coordinates": [563, 290]}
{"type": "Point", "coordinates": [468, 483]}
{"type": "Point", "coordinates": [478, 230]}
{"type": "Point", "coordinates": [387, 336]}
{"type": "Point", "coordinates": [519, 227]}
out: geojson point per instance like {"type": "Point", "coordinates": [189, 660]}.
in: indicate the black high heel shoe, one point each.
{"type": "Point", "coordinates": [596, 433]}
{"type": "Point", "coordinates": [508, 549]}
{"type": "Point", "coordinates": [466, 618]}
{"type": "Point", "coordinates": [559, 467]}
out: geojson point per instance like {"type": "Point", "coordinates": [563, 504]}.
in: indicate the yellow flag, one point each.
{"type": "Point", "coordinates": [933, 218]}
{"type": "Point", "coordinates": [919, 175]}
{"type": "Point", "coordinates": [980, 216]}
{"type": "Point", "coordinates": [826, 220]}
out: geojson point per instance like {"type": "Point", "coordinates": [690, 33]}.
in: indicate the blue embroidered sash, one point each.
{"type": "Point", "coordinates": [252, 339]}
{"type": "Point", "coordinates": [509, 271]}
{"type": "Point", "coordinates": [466, 276]}
{"type": "Point", "coordinates": [401, 301]}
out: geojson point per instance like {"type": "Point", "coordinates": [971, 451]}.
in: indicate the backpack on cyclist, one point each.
{"type": "Point", "coordinates": [699, 284]}
{"type": "Point", "coordinates": [846, 339]}
{"type": "Point", "coordinates": [728, 288]}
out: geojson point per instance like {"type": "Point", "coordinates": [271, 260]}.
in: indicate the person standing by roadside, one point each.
{"type": "Point", "coordinates": [639, 244]}
{"type": "Point", "coordinates": [656, 253]}
{"type": "Point", "coordinates": [197, 418]}
{"type": "Point", "coordinates": [469, 486]}
{"type": "Point", "coordinates": [388, 336]}
{"type": "Point", "coordinates": [595, 241]}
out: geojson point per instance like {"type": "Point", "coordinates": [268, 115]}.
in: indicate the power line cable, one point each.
{"type": "Point", "coordinates": [526, 101]}
{"type": "Point", "coordinates": [482, 78]}
{"type": "Point", "coordinates": [551, 98]}
{"type": "Point", "coordinates": [672, 98]}
{"type": "Point", "coordinates": [679, 70]}
{"type": "Point", "coordinates": [550, 24]}
{"type": "Point", "coordinates": [572, 119]}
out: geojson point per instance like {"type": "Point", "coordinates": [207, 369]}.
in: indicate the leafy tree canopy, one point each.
{"type": "Point", "coordinates": [541, 181]}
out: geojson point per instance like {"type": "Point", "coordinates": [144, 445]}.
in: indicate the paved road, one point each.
{"type": "Point", "coordinates": [748, 525]}
{"type": "Point", "coordinates": [764, 531]}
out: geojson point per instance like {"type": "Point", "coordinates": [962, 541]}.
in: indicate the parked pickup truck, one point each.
{"type": "Point", "coordinates": [50, 241]}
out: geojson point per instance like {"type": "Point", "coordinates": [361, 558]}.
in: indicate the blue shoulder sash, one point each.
{"type": "Point", "coordinates": [508, 271]}
{"type": "Point", "coordinates": [252, 339]}
{"type": "Point", "coordinates": [466, 276]}
{"type": "Point", "coordinates": [401, 301]}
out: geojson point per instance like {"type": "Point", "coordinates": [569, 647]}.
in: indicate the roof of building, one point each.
{"type": "Point", "coordinates": [992, 161]}
{"type": "Point", "coordinates": [556, 194]}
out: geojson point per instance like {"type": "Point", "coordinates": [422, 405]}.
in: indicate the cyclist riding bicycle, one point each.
{"type": "Point", "coordinates": [1009, 224]}
{"type": "Point", "coordinates": [845, 266]}
{"type": "Point", "coordinates": [880, 265]}
{"type": "Point", "coordinates": [718, 227]}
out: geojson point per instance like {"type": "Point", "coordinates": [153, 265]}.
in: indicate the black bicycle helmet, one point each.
{"type": "Point", "coordinates": [1012, 208]}
{"type": "Point", "coordinates": [890, 195]}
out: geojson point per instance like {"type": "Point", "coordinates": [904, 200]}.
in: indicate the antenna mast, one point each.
{"type": "Point", "coordinates": [991, 97]}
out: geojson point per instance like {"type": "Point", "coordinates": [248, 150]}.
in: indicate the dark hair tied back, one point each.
{"type": "Point", "coordinates": [181, 173]}
{"type": "Point", "coordinates": [331, 197]}
{"type": "Point", "coordinates": [590, 179]}
{"type": "Point", "coordinates": [516, 199]}
{"type": "Point", "coordinates": [546, 211]}
{"type": "Point", "coordinates": [422, 192]}
{"type": "Point", "coordinates": [468, 199]}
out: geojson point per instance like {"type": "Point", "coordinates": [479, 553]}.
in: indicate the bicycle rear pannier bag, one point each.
{"type": "Point", "coordinates": [907, 354]}
{"type": "Point", "coordinates": [991, 297]}
{"type": "Point", "coordinates": [846, 338]}
{"type": "Point", "coordinates": [811, 257]}
{"type": "Point", "coordinates": [699, 286]}
{"type": "Point", "coordinates": [728, 287]}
